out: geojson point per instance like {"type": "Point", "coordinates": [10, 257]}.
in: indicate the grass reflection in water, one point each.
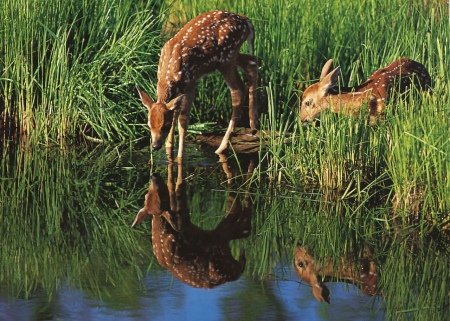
{"type": "Point", "coordinates": [65, 219]}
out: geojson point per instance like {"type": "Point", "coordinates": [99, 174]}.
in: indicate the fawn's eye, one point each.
{"type": "Point", "coordinates": [308, 103]}
{"type": "Point", "coordinates": [300, 264]}
{"type": "Point", "coordinates": [167, 125]}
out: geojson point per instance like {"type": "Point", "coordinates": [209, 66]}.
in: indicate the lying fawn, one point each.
{"type": "Point", "coordinates": [398, 77]}
{"type": "Point", "coordinates": [195, 256]}
{"type": "Point", "coordinates": [361, 272]}
{"type": "Point", "coordinates": [209, 42]}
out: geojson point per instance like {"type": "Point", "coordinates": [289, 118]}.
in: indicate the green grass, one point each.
{"type": "Point", "coordinates": [67, 75]}
{"type": "Point", "coordinates": [407, 154]}
{"type": "Point", "coordinates": [68, 68]}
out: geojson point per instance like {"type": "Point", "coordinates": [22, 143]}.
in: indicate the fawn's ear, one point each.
{"type": "Point", "coordinates": [177, 103]}
{"type": "Point", "coordinates": [173, 220]}
{"type": "Point", "coordinates": [140, 217]}
{"type": "Point", "coordinates": [330, 80]}
{"type": "Point", "coordinates": [146, 100]}
{"type": "Point", "coordinates": [321, 292]}
{"type": "Point", "coordinates": [326, 69]}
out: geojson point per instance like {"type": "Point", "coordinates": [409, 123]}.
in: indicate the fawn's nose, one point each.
{"type": "Point", "coordinates": [156, 146]}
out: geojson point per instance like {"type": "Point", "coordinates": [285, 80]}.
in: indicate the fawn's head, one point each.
{"type": "Point", "coordinates": [160, 117]}
{"type": "Point", "coordinates": [157, 200]}
{"type": "Point", "coordinates": [314, 98]}
{"type": "Point", "coordinates": [307, 270]}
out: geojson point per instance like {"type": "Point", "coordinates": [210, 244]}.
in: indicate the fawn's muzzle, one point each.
{"type": "Point", "coordinates": [156, 147]}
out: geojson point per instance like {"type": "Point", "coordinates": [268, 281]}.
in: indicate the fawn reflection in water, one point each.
{"type": "Point", "coordinates": [197, 257]}
{"type": "Point", "coordinates": [360, 271]}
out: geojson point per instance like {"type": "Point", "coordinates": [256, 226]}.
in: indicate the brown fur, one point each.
{"type": "Point", "coordinates": [195, 256]}
{"type": "Point", "coordinates": [361, 272]}
{"type": "Point", "coordinates": [396, 77]}
{"type": "Point", "coordinates": [209, 42]}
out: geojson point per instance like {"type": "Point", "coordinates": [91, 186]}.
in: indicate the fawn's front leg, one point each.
{"type": "Point", "coordinates": [238, 91]}
{"type": "Point", "coordinates": [183, 122]}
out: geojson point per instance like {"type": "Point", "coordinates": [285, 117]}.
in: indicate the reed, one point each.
{"type": "Point", "coordinates": [292, 48]}
{"type": "Point", "coordinates": [406, 156]}
{"type": "Point", "coordinates": [418, 161]}
{"type": "Point", "coordinates": [68, 67]}
{"type": "Point", "coordinates": [68, 70]}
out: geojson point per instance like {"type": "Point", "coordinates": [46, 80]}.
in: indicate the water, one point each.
{"type": "Point", "coordinates": [68, 252]}
{"type": "Point", "coordinates": [167, 299]}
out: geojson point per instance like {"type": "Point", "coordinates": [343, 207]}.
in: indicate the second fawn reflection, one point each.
{"type": "Point", "coordinates": [197, 257]}
{"type": "Point", "coordinates": [361, 272]}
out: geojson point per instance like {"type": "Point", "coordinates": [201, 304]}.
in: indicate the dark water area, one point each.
{"type": "Point", "coordinates": [68, 251]}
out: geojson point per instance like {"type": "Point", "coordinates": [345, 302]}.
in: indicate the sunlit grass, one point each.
{"type": "Point", "coordinates": [68, 68]}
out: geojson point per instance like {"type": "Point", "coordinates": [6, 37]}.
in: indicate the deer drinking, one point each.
{"type": "Point", "coordinates": [209, 42]}
{"type": "Point", "coordinates": [396, 77]}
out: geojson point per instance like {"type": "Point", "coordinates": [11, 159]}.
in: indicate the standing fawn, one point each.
{"type": "Point", "coordinates": [197, 257]}
{"type": "Point", "coordinates": [361, 272]}
{"type": "Point", "coordinates": [209, 42]}
{"type": "Point", "coordinates": [396, 77]}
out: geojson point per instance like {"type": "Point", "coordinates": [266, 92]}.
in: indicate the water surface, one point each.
{"type": "Point", "coordinates": [69, 253]}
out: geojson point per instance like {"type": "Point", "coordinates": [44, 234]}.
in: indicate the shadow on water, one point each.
{"type": "Point", "coordinates": [68, 251]}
